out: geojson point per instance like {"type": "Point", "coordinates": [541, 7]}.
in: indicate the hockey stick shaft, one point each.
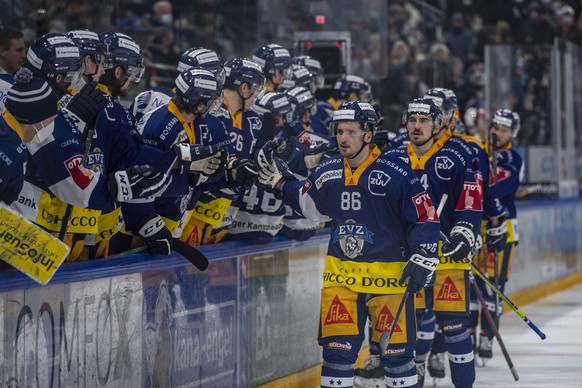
{"type": "Point", "coordinates": [492, 286]}
{"type": "Point", "coordinates": [387, 335]}
{"type": "Point", "coordinates": [501, 295]}
{"type": "Point", "coordinates": [493, 327]}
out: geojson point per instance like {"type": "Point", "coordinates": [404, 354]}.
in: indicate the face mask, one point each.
{"type": "Point", "coordinates": [477, 28]}
{"type": "Point", "coordinates": [43, 132]}
{"type": "Point", "coordinates": [167, 19]}
{"type": "Point", "coordinates": [567, 20]}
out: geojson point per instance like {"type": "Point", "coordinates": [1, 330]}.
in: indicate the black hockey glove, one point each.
{"type": "Point", "coordinates": [242, 172]}
{"type": "Point", "coordinates": [496, 236]}
{"type": "Point", "coordinates": [206, 160]}
{"type": "Point", "coordinates": [313, 154]}
{"type": "Point", "coordinates": [136, 182]}
{"type": "Point", "coordinates": [459, 243]}
{"type": "Point", "coordinates": [420, 269]}
{"type": "Point", "coordinates": [85, 105]}
{"type": "Point", "coordinates": [154, 234]}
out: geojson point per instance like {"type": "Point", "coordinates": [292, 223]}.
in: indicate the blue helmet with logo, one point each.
{"type": "Point", "coordinates": [54, 54]}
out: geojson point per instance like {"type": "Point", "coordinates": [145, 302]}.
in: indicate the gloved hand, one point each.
{"type": "Point", "coordinates": [136, 182]}
{"type": "Point", "coordinates": [156, 237]}
{"type": "Point", "coordinates": [242, 172]}
{"type": "Point", "coordinates": [312, 155]}
{"type": "Point", "coordinates": [207, 160]}
{"type": "Point", "coordinates": [85, 105]}
{"type": "Point", "coordinates": [496, 236]}
{"type": "Point", "coordinates": [459, 243]}
{"type": "Point", "coordinates": [381, 139]}
{"type": "Point", "coordinates": [272, 168]}
{"type": "Point", "coordinates": [420, 271]}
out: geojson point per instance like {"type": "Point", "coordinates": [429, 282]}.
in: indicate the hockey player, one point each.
{"type": "Point", "coordinates": [314, 67]}
{"type": "Point", "coordinates": [193, 57]}
{"type": "Point", "coordinates": [12, 58]}
{"type": "Point", "coordinates": [504, 127]}
{"type": "Point", "coordinates": [244, 81]}
{"type": "Point", "coordinates": [183, 125]}
{"type": "Point", "coordinates": [346, 88]}
{"type": "Point", "coordinates": [382, 221]}
{"type": "Point", "coordinates": [92, 56]}
{"type": "Point", "coordinates": [476, 122]}
{"type": "Point", "coordinates": [276, 64]}
{"type": "Point", "coordinates": [443, 170]}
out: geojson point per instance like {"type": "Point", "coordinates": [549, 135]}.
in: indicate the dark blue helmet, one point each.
{"type": "Point", "coordinates": [355, 111]}
{"type": "Point", "coordinates": [241, 70]}
{"type": "Point", "coordinates": [276, 103]}
{"type": "Point", "coordinates": [88, 43]}
{"type": "Point", "coordinates": [197, 85]}
{"type": "Point", "coordinates": [425, 106]}
{"type": "Point", "coordinates": [299, 77]}
{"type": "Point", "coordinates": [301, 101]}
{"type": "Point", "coordinates": [271, 57]}
{"type": "Point", "coordinates": [121, 50]}
{"type": "Point", "coordinates": [204, 59]}
{"type": "Point", "coordinates": [508, 118]}
{"type": "Point", "coordinates": [347, 84]}
{"type": "Point", "coordinates": [314, 67]}
{"type": "Point", "coordinates": [53, 54]}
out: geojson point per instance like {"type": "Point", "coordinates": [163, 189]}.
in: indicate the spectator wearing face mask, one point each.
{"type": "Point", "coordinates": [567, 29]}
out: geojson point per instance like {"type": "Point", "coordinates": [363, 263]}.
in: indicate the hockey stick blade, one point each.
{"type": "Point", "coordinates": [193, 255]}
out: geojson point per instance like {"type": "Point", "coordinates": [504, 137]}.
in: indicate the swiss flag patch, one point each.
{"type": "Point", "coordinates": [81, 176]}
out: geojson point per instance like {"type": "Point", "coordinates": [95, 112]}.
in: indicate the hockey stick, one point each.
{"type": "Point", "coordinates": [501, 294]}
{"type": "Point", "coordinates": [493, 327]}
{"type": "Point", "coordinates": [387, 335]}
{"type": "Point", "coordinates": [492, 143]}
{"type": "Point", "coordinates": [193, 255]}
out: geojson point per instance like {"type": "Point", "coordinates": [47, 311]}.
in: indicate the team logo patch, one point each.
{"type": "Point", "coordinates": [255, 123]}
{"type": "Point", "coordinates": [337, 313]}
{"type": "Point", "coordinates": [81, 176]}
{"type": "Point", "coordinates": [470, 197]}
{"type": "Point", "coordinates": [351, 237]}
{"type": "Point", "coordinates": [443, 167]}
{"type": "Point", "coordinates": [377, 182]}
{"type": "Point", "coordinates": [425, 210]}
{"type": "Point", "coordinates": [304, 138]}
{"type": "Point", "coordinates": [449, 292]}
{"type": "Point", "coordinates": [385, 321]}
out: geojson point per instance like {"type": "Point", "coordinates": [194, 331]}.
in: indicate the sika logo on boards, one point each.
{"type": "Point", "coordinates": [448, 291]}
{"type": "Point", "coordinates": [338, 313]}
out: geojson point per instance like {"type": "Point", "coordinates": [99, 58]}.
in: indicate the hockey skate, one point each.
{"type": "Point", "coordinates": [485, 349]}
{"type": "Point", "coordinates": [436, 366]}
{"type": "Point", "coordinates": [371, 375]}
{"type": "Point", "coordinates": [420, 372]}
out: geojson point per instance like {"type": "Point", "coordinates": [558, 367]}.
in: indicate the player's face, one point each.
{"type": "Point", "coordinates": [420, 128]}
{"type": "Point", "coordinates": [14, 56]}
{"type": "Point", "coordinates": [350, 137]}
{"type": "Point", "coordinates": [503, 135]}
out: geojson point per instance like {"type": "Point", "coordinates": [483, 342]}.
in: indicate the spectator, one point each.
{"type": "Point", "coordinates": [567, 28]}
{"type": "Point", "coordinates": [458, 38]}
{"type": "Point", "coordinates": [12, 57]}
{"type": "Point", "coordinates": [163, 55]}
{"type": "Point", "coordinates": [539, 28]}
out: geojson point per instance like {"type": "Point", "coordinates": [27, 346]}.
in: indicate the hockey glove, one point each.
{"type": "Point", "coordinates": [459, 243]}
{"type": "Point", "coordinates": [496, 236]}
{"type": "Point", "coordinates": [136, 182]}
{"type": "Point", "coordinates": [313, 154]}
{"type": "Point", "coordinates": [85, 105]}
{"type": "Point", "coordinates": [420, 269]}
{"type": "Point", "coordinates": [154, 234]}
{"type": "Point", "coordinates": [242, 172]}
{"type": "Point", "coordinates": [206, 160]}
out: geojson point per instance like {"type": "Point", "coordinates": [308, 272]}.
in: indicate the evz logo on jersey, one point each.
{"type": "Point", "coordinates": [425, 210]}
{"type": "Point", "coordinates": [255, 123]}
{"type": "Point", "coordinates": [351, 237]}
{"type": "Point", "coordinates": [206, 134]}
{"type": "Point", "coordinates": [377, 182]}
{"type": "Point", "coordinates": [443, 167]}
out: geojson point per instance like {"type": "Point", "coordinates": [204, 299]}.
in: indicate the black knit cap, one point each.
{"type": "Point", "coordinates": [31, 100]}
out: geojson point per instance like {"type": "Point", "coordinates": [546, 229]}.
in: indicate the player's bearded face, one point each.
{"type": "Point", "coordinates": [420, 128]}
{"type": "Point", "coordinates": [502, 134]}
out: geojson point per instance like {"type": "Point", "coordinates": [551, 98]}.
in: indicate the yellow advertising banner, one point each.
{"type": "Point", "coordinates": [212, 212]}
{"type": "Point", "coordinates": [28, 248]}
